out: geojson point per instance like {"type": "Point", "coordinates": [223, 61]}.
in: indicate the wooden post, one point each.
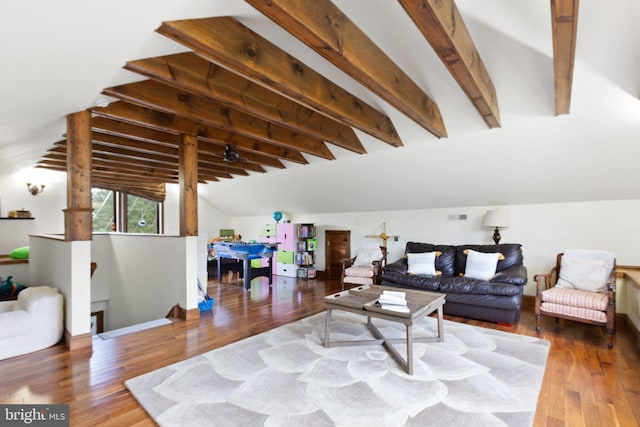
{"type": "Point", "coordinates": [188, 153]}
{"type": "Point", "coordinates": [77, 216]}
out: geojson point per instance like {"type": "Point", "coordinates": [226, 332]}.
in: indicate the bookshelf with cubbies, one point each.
{"type": "Point", "coordinates": [305, 250]}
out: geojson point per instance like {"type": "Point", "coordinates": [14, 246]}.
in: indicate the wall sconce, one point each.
{"type": "Point", "coordinates": [35, 189]}
{"type": "Point", "coordinates": [499, 219]}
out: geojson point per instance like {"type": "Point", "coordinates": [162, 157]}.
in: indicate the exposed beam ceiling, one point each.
{"type": "Point", "coordinates": [237, 89]}
{"type": "Point", "coordinates": [328, 31]}
{"type": "Point", "coordinates": [564, 22]}
{"type": "Point", "coordinates": [442, 25]}
{"type": "Point", "coordinates": [227, 42]}
{"type": "Point", "coordinates": [187, 71]}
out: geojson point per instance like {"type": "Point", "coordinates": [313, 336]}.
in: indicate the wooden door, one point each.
{"type": "Point", "coordinates": [337, 247]}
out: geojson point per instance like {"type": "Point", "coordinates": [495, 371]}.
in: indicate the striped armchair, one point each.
{"type": "Point", "coordinates": [581, 287]}
{"type": "Point", "coordinates": [365, 268]}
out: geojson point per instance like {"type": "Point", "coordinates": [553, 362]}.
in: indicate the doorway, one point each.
{"type": "Point", "coordinates": [337, 247]}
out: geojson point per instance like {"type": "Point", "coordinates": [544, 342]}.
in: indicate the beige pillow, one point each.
{"type": "Point", "coordinates": [481, 265]}
{"type": "Point", "coordinates": [422, 263]}
{"type": "Point", "coordinates": [366, 256]}
{"type": "Point", "coordinates": [584, 274]}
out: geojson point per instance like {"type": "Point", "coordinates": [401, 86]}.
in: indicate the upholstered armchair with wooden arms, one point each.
{"type": "Point", "coordinates": [581, 287]}
{"type": "Point", "coordinates": [365, 268]}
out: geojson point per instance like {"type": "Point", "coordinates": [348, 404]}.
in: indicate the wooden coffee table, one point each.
{"type": "Point", "coordinates": [362, 300]}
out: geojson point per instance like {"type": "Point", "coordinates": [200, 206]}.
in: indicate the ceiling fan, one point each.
{"type": "Point", "coordinates": [231, 155]}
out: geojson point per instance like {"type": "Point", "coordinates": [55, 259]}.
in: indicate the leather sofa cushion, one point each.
{"type": "Point", "coordinates": [466, 285]}
{"type": "Point", "coordinates": [511, 251]}
{"type": "Point", "coordinates": [411, 281]}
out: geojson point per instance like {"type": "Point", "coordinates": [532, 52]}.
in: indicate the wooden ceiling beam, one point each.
{"type": "Point", "coordinates": [132, 131]}
{"type": "Point", "coordinates": [225, 41]}
{"type": "Point", "coordinates": [146, 117]}
{"type": "Point", "coordinates": [104, 170]}
{"type": "Point", "coordinates": [165, 98]}
{"type": "Point", "coordinates": [442, 25]}
{"type": "Point", "coordinates": [222, 137]}
{"type": "Point", "coordinates": [564, 25]}
{"type": "Point", "coordinates": [138, 145]}
{"type": "Point", "coordinates": [187, 71]}
{"type": "Point", "coordinates": [323, 27]}
{"type": "Point", "coordinates": [102, 162]}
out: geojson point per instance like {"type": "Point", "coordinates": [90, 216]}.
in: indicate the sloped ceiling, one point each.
{"type": "Point", "coordinates": [506, 147]}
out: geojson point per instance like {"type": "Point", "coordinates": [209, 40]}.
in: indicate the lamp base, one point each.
{"type": "Point", "coordinates": [496, 236]}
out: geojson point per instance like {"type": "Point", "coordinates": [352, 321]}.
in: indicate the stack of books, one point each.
{"type": "Point", "coordinates": [395, 301]}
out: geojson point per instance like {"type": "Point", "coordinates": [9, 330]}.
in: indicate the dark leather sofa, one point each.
{"type": "Point", "coordinates": [496, 300]}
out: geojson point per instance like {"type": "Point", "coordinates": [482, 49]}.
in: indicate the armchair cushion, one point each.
{"type": "Point", "coordinates": [366, 257]}
{"type": "Point", "coordinates": [357, 271]}
{"type": "Point", "coordinates": [585, 274]}
{"type": "Point", "coordinates": [575, 298]}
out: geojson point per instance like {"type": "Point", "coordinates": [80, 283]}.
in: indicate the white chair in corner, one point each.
{"type": "Point", "coordinates": [32, 322]}
{"type": "Point", "coordinates": [365, 268]}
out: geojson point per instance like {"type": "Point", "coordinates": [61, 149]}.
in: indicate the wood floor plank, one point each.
{"type": "Point", "coordinates": [584, 383]}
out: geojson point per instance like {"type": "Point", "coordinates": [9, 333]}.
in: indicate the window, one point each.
{"type": "Point", "coordinates": [104, 210]}
{"type": "Point", "coordinates": [123, 212]}
{"type": "Point", "coordinates": [142, 215]}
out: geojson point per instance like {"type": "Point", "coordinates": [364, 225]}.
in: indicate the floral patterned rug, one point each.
{"type": "Point", "coordinates": [285, 377]}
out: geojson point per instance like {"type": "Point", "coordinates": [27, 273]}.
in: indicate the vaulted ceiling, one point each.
{"type": "Point", "coordinates": [287, 83]}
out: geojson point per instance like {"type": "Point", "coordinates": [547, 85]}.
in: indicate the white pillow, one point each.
{"type": "Point", "coordinates": [366, 256]}
{"type": "Point", "coordinates": [585, 274]}
{"type": "Point", "coordinates": [481, 265]}
{"type": "Point", "coordinates": [422, 263]}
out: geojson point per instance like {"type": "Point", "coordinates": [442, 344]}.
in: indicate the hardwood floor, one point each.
{"type": "Point", "coordinates": [585, 384]}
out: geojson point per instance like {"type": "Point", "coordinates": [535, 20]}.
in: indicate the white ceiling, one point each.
{"type": "Point", "coordinates": [58, 56]}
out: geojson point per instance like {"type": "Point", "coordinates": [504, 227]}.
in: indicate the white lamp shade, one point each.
{"type": "Point", "coordinates": [497, 218]}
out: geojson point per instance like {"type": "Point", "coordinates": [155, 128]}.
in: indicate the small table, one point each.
{"type": "Point", "coordinates": [363, 300]}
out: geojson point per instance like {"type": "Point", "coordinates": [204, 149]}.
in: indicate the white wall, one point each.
{"type": "Point", "coordinates": [628, 300]}
{"type": "Point", "coordinates": [542, 229]}
{"type": "Point", "coordinates": [46, 207]}
{"type": "Point", "coordinates": [140, 277]}
{"type": "Point", "coordinates": [210, 218]}
{"type": "Point", "coordinates": [66, 266]}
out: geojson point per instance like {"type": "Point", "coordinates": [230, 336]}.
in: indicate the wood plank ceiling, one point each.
{"type": "Point", "coordinates": [235, 88]}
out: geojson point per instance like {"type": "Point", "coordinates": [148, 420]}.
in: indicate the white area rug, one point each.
{"type": "Point", "coordinates": [134, 328]}
{"type": "Point", "coordinates": [285, 377]}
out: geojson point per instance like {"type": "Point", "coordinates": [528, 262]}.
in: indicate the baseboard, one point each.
{"type": "Point", "coordinates": [77, 342]}
{"type": "Point", "coordinates": [178, 312]}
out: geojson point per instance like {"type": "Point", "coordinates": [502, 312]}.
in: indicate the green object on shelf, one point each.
{"type": "Point", "coordinates": [312, 244]}
{"type": "Point", "coordinates": [20, 253]}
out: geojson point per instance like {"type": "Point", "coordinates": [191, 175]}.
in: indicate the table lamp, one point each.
{"type": "Point", "coordinates": [496, 218]}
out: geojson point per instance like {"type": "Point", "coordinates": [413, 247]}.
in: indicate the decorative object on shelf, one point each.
{"type": "Point", "coordinates": [277, 216]}
{"type": "Point", "coordinates": [19, 214]}
{"type": "Point", "coordinates": [498, 219]}
{"type": "Point", "coordinates": [384, 234]}
{"type": "Point", "coordinates": [35, 189]}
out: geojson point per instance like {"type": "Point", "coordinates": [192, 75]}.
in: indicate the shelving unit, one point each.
{"type": "Point", "coordinates": [6, 217]}
{"type": "Point", "coordinates": [305, 250]}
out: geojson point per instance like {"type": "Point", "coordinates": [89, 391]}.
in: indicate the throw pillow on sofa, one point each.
{"type": "Point", "coordinates": [481, 265]}
{"type": "Point", "coordinates": [422, 263]}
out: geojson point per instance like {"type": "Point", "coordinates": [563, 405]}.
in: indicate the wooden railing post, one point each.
{"type": "Point", "coordinates": [188, 153]}
{"type": "Point", "coordinates": [77, 216]}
